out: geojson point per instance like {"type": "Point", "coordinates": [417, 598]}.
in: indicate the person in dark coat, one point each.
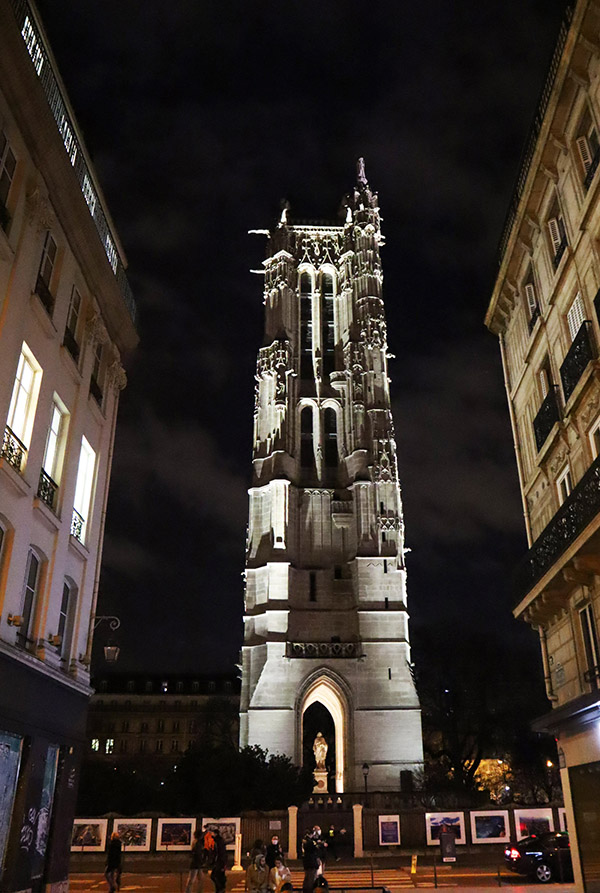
{"type": "Point", "coordinates": [195, 861]}
{"type": "Point", "coordinates": [113, 862]}
{"type": "Point", "coordinates": [310, 863]}
{"type": "Point", "coordinates": [217, 875]}
{"type": "Point", "coordinates": [274, 852]}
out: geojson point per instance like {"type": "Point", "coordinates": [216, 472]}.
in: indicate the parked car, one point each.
{"type": "Point", "coordinates": [547, 857]}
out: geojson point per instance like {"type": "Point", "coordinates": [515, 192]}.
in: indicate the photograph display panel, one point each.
{"type": "Point", "coordinates": [389, 830]}
{"type": "Point", "coordinates": [134, 834]}
{"type": "Point", "coordinates": [228, 828]}
{"type": "Point", "coordinates": [89, 835]}
{"type": "Point", "coordinates": [533, 821]}
{"type": "Point", "coordinates": [490, 827]}
{"type": "Point", "coordinates": [175, 834]}
{"type": "Point", "coordinates": [562, 819]}
{"type": "Point", "coordinates": [436, 822]}
{"type": "Point", "coordinates": [10, 760]}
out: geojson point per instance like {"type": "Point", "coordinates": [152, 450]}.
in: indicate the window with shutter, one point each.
{"type": "Point", "coordinates": [585, 154]}
{"type": "Point", "coordinates": [531, 298]}
{"type": "Point", "coordinates": [555, 235]}
{"type": "Point", "coordinates": [575, 316]}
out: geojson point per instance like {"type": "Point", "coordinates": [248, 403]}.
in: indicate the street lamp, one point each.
{"type": "Point", "coordinates": [111, 652]}
{"type": "Point", "coordinates": [365, 768]}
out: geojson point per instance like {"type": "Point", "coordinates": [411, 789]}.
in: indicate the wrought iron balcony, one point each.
{"type": "Point", "coordinates": [535, 315]}
{"type": "Point", "coordinates": [578, 510]}
{"type": "Point", "coordinates": [77, 524]}
{"type": "Point", "coordinates": [592, 170]}
{"type": "Point", "coordinates": [71, 344]}
{"type": "Point", "coordinates": [96, 391]}
{"type": "Point", "coordinates": [559, 253]}
{"type": "Point", "coordinates": [44, 294]}
{"type": "Point", "coordinates": [323, 649]}
{"type": "Point", "coordinates": [546, 418]}
{"type": "Point", "coordinates": [576, 361]}
{"type": "Point", "coordinates": [13, 450]}
{"type": "Point", "coordinates": [47, 489]}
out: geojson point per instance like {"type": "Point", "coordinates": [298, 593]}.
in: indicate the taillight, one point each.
{"type": "Point", "coordinates": [514, 854]}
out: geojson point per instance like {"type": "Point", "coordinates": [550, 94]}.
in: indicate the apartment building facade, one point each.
{"type": "Point", "coordinates": [545, 310]}
{"type": "Point", "coordinates": [67, 321]}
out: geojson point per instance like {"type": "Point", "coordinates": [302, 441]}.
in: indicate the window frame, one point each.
{"type": "Point", "coordinates": [29, 598]}
{"type": "Point", "coordinates": [594, 436]}
{"type": "Point", "coordinates": [564, 484]}
{"type": "Point", "coordinates": [591, 649]}
{"type": "Point", "coordinates": [84, 490]}
{"type": "Point", "coordinates": [28, 411]}
{"type": "Point", "coordinates": [6, 176]}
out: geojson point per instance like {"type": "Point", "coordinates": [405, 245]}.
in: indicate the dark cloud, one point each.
{"type": "Point", "coordinates": [200, 118]}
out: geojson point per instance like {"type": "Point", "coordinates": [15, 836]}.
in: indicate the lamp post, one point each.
{"type": "Point", "coordinates": [111, 652]}
{"type": "Point", "coordinates": [365, 771]}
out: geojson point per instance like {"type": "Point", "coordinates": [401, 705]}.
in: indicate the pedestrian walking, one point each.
{"type": "Point", "coordinates": [195, 873]}
{"type": "Point", "coordinates": [321, 848]}
{"type": "Point", "coordinates": [217, 874]}
{"type": "Point", "coordinates": [310, 862]}
{"type": "Point", "coordinates": [257, 876]}
{"type": "Point", "coordinates": [113, 862]}
{"type": "Point", "coordinates": [273, 852]}
{"type": "Point", "coordinates": [278, 876]}
{"type": "Point", "coordinates": [332, 843]}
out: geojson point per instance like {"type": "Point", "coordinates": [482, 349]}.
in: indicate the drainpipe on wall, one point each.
{"type": "Point", "coordinates": [546, 664]}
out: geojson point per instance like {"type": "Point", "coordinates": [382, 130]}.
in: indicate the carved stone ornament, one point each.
{"type": "Point", "coordinates": [116, 376]}
{"type": "Point", "coordinates": [39, 210]}
{"type": "Point", "coordinates": [95, 330]}
{"type": "Point", "coordinates": [558, 462]}
{"type": "Point", "coordinates": [590, 409]}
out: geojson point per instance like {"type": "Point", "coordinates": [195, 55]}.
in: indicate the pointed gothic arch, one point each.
{"type": "Point", "coordinates": [327, 688]}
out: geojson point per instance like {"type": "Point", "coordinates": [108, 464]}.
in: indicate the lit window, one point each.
{"type": "Point", "coordinates": [89, 194]}
{"type": "Point", "coordinates": [71, 340]}
{"type": "Point", "coordinates": [32, 581]}
{"type": "Point", "coordinates": [50, 474]}
{"type": "Point", "coordinates": [575, 316]}
{"type": "Point", "coordinates": [68, 138]}
{"type": "Point", "coordinates": [95, 744]}
{"type": "Point", "coordinates": [564, 485]}
{"type": "Point", "coordinates": [111, 252]}
{"type": "Point", "coordinates": [21, 412]}
{"type": "Point", "coordinates": [8, 163]}
{"type": "Point", "coordinates": [66, 618]}
{"type": "Point", "coordinates": [83, 491]}
{"type": "Point", "coordinates": [33, 45]}
{"type": "Point", "coordinates": [109, 747]}
{"type": "Point", "coordinates": [165, 686]}
{"type": "Point", "coordinates": [44, 279]}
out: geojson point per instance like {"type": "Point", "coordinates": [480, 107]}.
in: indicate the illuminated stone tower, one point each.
{"type": "Point", "coordinates": [326, 621]}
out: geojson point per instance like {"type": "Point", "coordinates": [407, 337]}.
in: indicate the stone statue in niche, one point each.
{"type": "Point", "coordinates": [320, 748]}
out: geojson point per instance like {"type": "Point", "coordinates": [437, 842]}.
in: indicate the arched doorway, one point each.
{"type": "Point", "coordinates": [315, 719]}
{"type": "Point", "coordinates": [329, 708]}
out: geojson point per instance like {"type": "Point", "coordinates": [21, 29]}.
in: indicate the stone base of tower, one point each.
{"type": "Point", "coordinates": [376, 715]}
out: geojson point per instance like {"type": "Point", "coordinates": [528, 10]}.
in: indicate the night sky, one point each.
{"type": "Point", "coordinates": [200, 118]}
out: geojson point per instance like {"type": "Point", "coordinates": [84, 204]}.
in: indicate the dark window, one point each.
{"type": "Point", "coordinates": [330, 434]}
{"type": "Point", "coordinates": [327, 333]}
{"type": "Point", "coordinates": [31, 586]}
{"type": "Point", "coordinates": [312, 591]}
{"type": "Point", "coordinates": [307, 455]}
{"type": "Point", "coordinates": [306, 336]}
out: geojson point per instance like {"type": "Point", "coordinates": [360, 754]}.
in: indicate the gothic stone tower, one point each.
{"type": "Point", "coordinates": [326, 619]}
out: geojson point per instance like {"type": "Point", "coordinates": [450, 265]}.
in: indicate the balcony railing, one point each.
{"type": "Point", "coordinates": [559, 253]}
{"type": "Point", "coordinates": [77, 525]}
{"type": "Point", "coordinates": [546, 418]}
{"type": "Point", "coordinates": [44, 294]}
{"type": "Point", "coordinates": [41, 60]}
{"type": "Point", "coordinates": [47, 489]}
{"type": "Point", "coordinates": [592, 676]}
{"type": "Point", "coordinates": [71, 344]}
{"type": "Point", "coordinates": [323, 649]}
{"type": "Point", "coordinates": [592, 170]}
{"type": "Point", "coordinates": [578, 510]}
{"type": "Point", "coordinates": [13, 450]}
{"type": "Point", "coordinates": [576, 361]}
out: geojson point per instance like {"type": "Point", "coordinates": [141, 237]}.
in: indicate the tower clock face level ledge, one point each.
{"type": "Point", "coordinates": [326, 642]}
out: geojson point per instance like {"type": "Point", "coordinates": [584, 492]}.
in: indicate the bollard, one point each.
{"type": "Point", "coordinates": [372, 875]}
{"type": "Point", "coordinates": [434, 871]}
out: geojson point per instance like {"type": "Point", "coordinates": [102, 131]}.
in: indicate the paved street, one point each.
{"type": "Point", "coordinates": [350, 877]}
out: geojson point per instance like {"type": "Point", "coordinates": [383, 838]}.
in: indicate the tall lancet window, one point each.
{"type": "Point", "coordinates": [327, 334]}
{"type": "Point", "coordinates": [307, 453]}
{"type": "Point", "coordinates": [306, 339]}
{"type": "Point", "coordinates": [330, 435]}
